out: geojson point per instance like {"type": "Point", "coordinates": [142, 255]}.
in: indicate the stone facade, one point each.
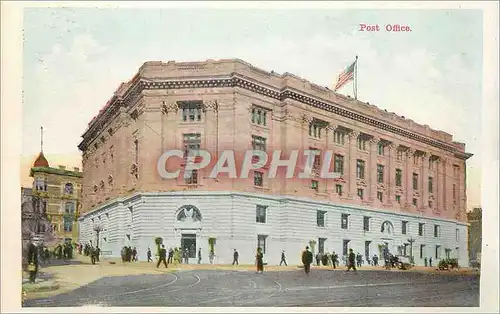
{"type": "Point", "coordinates": [389, 164]}
{"type": "Point", "coordinates": [61, 191]}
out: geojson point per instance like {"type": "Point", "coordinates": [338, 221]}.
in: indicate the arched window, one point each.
{"type": "Point", "coordinates": [68, 188]}
{"type": "Point", "coordinates": [69, 208]}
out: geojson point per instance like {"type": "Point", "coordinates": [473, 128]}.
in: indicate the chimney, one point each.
{"type": "Point", "coordinates": [76, 169]}
{"type": "Point", "coordinates": [62, 167]}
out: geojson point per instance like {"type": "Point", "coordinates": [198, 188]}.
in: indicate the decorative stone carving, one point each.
{"type": "Point", "coordinates": [189, 213]}
{"type": "Point", "coordinates": [353, 135]}
{"type": "Point", "coordinates": [374, 140]}
{"type": "Point", "coordinates": [211, 105]}
{"type": "Point", "coordinates": [387, 228]}
{"type": "Point", "coordinates": [410, 152]}
{"type": "Point", "coordinates": [172, 107]}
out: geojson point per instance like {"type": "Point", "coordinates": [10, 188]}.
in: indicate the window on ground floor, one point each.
{"type": "Point", "coordinates": [320, 218]}
{"type": "Point", "coordinates": [366, 223]}
{"type": "Point", "coordinates": [422, 250]}
{"type": "Point", "coordinates": [345, 247]}
{"type": "Point", "coordinates": [261, 242]}
{"type": "Point", "coordinates": [367, 249]}
{"type": "Point", "coordinates": [321, 245]}
{"type": "Point", "coordinates": [438, 251]}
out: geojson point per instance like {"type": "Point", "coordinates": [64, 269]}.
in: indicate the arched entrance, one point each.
{"type": "Point", "coordinates": [188, 226]}
{"type": "Point", "coordinates": [387, 245]}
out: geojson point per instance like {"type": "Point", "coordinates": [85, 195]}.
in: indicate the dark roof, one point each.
{"type": "Point", "coordinates": [58, 171]}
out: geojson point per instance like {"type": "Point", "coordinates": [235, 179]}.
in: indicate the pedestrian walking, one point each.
{"type": "Point", "coordinates": [236, 256]}
{"type": "Point", "coordinates": [351, 261]}
{"type": "Point", "coordinates": [425, 262]}
{"type": "Point", "coordinates": [307, 259]}
{"type": "Point", "coordinates": [335, 260]}
{"type": "Point", "coordinates": [163, 257]}
{"type": "Point", "coordinates": [430, 262]}
{"type": "Point", "coordinates": [32, 261]}
{"type": "Point", "coordinates": [199, 256]}
{"type": "Point", "coordinates": [92, 255]}
{"type": "Point", "coordinates": [211, 256]}
{"type": "Point", "coordinates": [375, 260]}
{"type": "Point", "coordinates": [186, 256]}
{"type": "Point", "coordinates": [259, 260]}
{"type": "Point", "coordinates": [149, 255]}
{"type": "Point", "coordinates": [134, 254]}
{"type": "Point", "coordinates": [283, 258]}
{"type": "Point", "coordinates": [170, 256]}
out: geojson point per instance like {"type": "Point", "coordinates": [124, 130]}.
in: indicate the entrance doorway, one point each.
{"type": "Point", "coordinates": [188, 241]}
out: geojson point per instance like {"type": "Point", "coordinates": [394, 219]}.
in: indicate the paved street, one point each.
{"type": "Point", "coordinates": [323, 288]}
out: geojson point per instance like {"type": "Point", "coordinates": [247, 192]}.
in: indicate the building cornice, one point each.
{"type": "Point", "coordinates": [134, 197]}
{"type": "Point", "coordinates": [241, 81]}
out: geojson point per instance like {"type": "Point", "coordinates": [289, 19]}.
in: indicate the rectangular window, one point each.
{"type": "Point", "coordinates": [361, 143]}
{"type": "Point", "coordinates": [317, 158]}
{"type": "Point", "coordinates": [261, 214]}
{"type": "Point", "coordinates": [136, 151]}
{"type": "Point", "coordinates": [192, 143]}
{"type": "Point", "coordinates": [360, 193]}
{"type": "Point", "coordinates": [422, 250]}
{"type": "Point", "coordinates": [454, 194]}
{"type": "Point", "coordinates": [399, 154]}
{"type": "Point", "coordinates": [339, 164]}
{"type": "Point", "coordinates": [191, 110]}
{"type": "Point", "coordinates": [380, 173]}
{"type": "Point", "coordinates": [345, 221]}
{"type": "Point", "coordinates": [415, 181]}
{"type": "Point", "coordinates": [258, 143]}
{"type": "Point", "coordinates": [421, 229]}
{"type": "Point", "coordinates": [338, 189]}
{"type": "Point", "coordinates": [259, 116]}
{"type": "Point", "coordinates": [320, 218]}
{"type": "Point", "coordinates": [345, 247]}
{"type": "Point", "coordinates": [380, 196]}
{"type": "Point", "coordinates": [366, 223]}
{"type": "Point", "coordinates": [321, 245]}
{"type": "Point", "coordinates": [380, 149]}
{"type": "Point", "coordinates": [398, 199]}
{"type": "Point", "coordinates": [339, 137]}
{"type": "Point", "coordinates": [438, 252]}
{"type": "Point", "coordinates": [314, 185]}
{"type": "Point", "coordinates": [315, 129]}
{"type": "Point", "coordinates": [192, 177]}
{"type": "Point", "coordinates": [367, 248]}
{"type": "Point", "coordinates": [261, 242]}
{"type": "Point", "coordinates": [414, 202]}
{"type": "Point", "coordinates": [457, 235]}
{"type": "Point", "coordinates": [431, 190]}
{"type": "Point", "coordinates": [258, 178]}
{"type": "Point", "coordinates": [404, 227]}
{"type": "Point", "coordinates": [399, 177]}
{"type": "Point", "coordinates": [436, 231]}
{"type": "Point", "coordinates": [360, 169]}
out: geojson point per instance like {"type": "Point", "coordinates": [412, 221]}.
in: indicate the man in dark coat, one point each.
{"type": "Point", "coordinates": [170, 256]}
{"type": "Point", "coordinates": [283, 258]}
{"type": "Point", "coordinates": [199, 256]}
{"type": "Point", "coordinates": [149, 255]}
{"type": "Point", "coordinates": [163, 257]}
{"type": "Point", "coordinates": [32, 261]}
{"type": "Point", "coordinates": [335, 260]}
{"type": "Point", "coordinates": [351, 261]}
{"type": "Point", "coordinates": [92, 255]}
{"type": "Point", "coordinates": [236, 255]}
{"type": "Point", "coordinates": [307, 259]}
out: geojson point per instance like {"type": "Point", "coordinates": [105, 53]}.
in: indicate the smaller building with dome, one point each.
{"type": "Point", "coordinates": [60, 190]}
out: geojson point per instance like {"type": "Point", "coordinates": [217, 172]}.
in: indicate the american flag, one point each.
{"type": "Point", "coordinates": [346, 76]}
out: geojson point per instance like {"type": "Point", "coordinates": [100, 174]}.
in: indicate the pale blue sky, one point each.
{"type": "Point", "coordinates": [75, 58]}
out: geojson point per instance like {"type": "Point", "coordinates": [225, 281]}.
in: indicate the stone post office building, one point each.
{"type": "Point", "coordinates": [402, 184]}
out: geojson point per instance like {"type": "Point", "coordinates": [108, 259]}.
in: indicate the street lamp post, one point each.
{"type": "Point", "coordinates": [98, 229]}
{"type": "Point", "coordinates": [411, 241]}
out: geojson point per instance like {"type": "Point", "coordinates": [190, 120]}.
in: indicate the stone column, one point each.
{"type": "Point", "coordinates": [351, 171]}
{"type": "Point", "coordinates": [390, 174]}
{"type": "Point", "coordinates": [373, 168]}
{"type": "Point", "coordinates": [448, 184]}
{"type": "Point", "coordinates": [211, 121]}
{"type": "Point", "coordinates": [172, 110]}
{"type": "Point", "coordinates": [409, 177]}
{"type": "Point", "coordinates": [425, 181]}
{"type": "Point", "coordinates": [440, 184]}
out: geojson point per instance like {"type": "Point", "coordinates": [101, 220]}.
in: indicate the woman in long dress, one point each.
{"type": "Point", "coordinates": [259, 260]}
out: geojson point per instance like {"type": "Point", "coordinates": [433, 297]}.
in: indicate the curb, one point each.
{"type": "Point", "coordinates": [41, 287]}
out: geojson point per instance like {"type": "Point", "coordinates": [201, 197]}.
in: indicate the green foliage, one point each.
{"type": "Point", "coordinates": [448, 263]}
{"type": "Point", "coordinates": [158, 240]}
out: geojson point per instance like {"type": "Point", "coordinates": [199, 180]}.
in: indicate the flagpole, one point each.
{"type": "Point", "coordinates": [356, 79]}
